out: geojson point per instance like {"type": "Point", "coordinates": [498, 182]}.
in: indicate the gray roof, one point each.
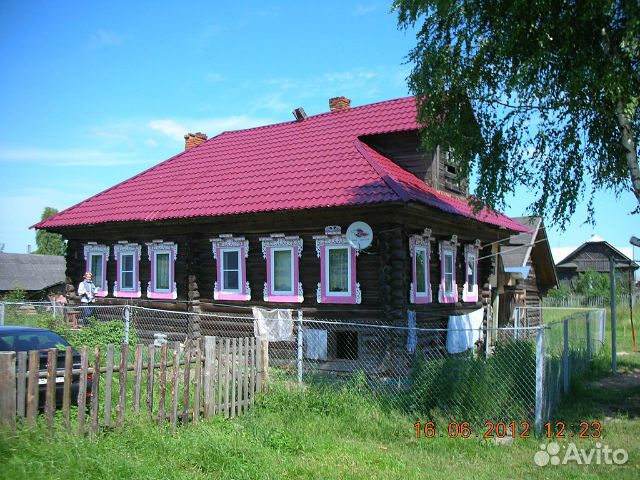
{"type": "Point", "coordinates": [30, 272]}
{"type": "Point", "coordinates": [516, 253]}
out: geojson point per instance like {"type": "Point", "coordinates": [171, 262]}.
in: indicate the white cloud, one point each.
{"type": "Point", "coordinates": [177, 128]}
{"type": "Point", "coordinates": [214, 77]}
{"type": "Point", "coordinates": [67, 157]}
{"type": "Point", "coordinates": [104, 38]}
{"type": "Point", "coordinates": [362, 9]}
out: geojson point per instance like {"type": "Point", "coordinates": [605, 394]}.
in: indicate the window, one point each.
{"type": "Point", "coordinates": [448, 291]}
{"type": "Point", "coordinates": [162, 256]}
{"type": "Point", "coordinates": [420, 251]}
{"type": "Point", "coordinates": [127, 257]}
{"type": "Point", "coordinates": [96, 262]}
{"type": "Point", "coordinates": [230, 254]}
{"type": "Point", "coordinates": [337, 268]}
{"type": "Point", "coordinates": [470, 290]}
{"type": "Point", "coordinates": [282, 254]}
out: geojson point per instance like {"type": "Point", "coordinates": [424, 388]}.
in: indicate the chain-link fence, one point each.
{"type": "Point", "coordinates": [463, 372]}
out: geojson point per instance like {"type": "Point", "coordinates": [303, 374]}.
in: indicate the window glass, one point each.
{"type": "Point", "coordinates": [282, 273]}
{"type": "Point", "coordinates": [162, 271]}
{"type": "Point", "coordinates": [338, 270]}
{"type": "Point", "coordinates": [471, 272]}
{"type": "Point", "coordinates": [96, 270]}
{"type": "Point", "coordinates": [126, 272]}
{"type": "Point", "coordinates": [231, 270]}
{"type": "Point", "coordinates": [421, 271]}
{"type": "Point", "coordinates": [448, 273]}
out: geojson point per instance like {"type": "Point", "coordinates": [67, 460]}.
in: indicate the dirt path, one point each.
{"type": "Point", "coordinates": [621, 392]}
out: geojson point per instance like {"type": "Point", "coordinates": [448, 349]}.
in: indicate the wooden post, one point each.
{"type": "Point", "coordinates": [137, 383]}
{"type": "Point", "coordinates": [252, 369]}
{"type": "Point", "coordinates": [163, 383]}
{"type": "Point", "coordinates": [219, 383]}
{"type": "Point", "coordinates": [66, 390]}
{"type": "Point", "coordinates": [82, 398]}
{"type": "Point", "coordinates": [50, 397]}
{"type": "Point", "coordinates": [185, 382]}
{"type": "Point", "coordinates": [151, 360]}
{"type": "Point", "coordinates": [95, 390]}
{"type": "Point", "coordinates": [245, 375]}
{"type": "Point", "coordinates": [22, 384]}
{"type": "Point", "coordinates": [8, 389]}
{"type": "Point", "coordinates": [209, 369]}
{"type": "Point", "coordinates": [197, 387]}
{"type": "Point", "coordinates": [264, 365]}
{"type": "Point", "coordinates": [234, 379]}
{"type": "Point", "coordinates": [108, 386]}
{"type": "Point", "coordinates": [32, 388]}
{"type": "Point", "coordinates": [122, 379]}
{"type": "Point", "coordinates": [566, 374]}
{"type": "Point", "coordinates": [175, 388]}
{"type": "Point", "coordinates": [226, 376]}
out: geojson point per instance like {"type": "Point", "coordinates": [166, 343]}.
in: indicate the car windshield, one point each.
{"type": "Point", "coordinates": [23, 341]}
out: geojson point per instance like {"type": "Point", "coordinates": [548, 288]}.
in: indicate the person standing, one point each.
{"type": "Point", "coordinates": [87, 294]}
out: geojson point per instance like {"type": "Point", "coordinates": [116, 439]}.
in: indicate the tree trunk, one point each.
{"type": "Point", "coordinates": [629, 144]}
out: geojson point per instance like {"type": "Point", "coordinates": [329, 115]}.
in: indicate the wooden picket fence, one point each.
{"type": "Point", "coordinates": [211, 376]}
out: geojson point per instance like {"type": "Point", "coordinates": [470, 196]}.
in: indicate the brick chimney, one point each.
{"type": "Point", "coordinates": [193, 140]}
{"type": "Point", "coordinates": [339, 103]}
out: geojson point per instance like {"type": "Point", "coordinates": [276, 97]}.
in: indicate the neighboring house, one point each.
{"type": "Point", "coordinates": [37, 275]}
{"type": "Point", "coordinates": [593, 255]}
{"type": "Point", "coordinates": [528, 273]}
{"type": "Point", "coordinates": [258, 217]}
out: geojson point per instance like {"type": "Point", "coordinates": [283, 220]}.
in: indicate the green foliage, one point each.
{"type": "Point", "coordinates": [472, 387]}
{"type": "Point", "coordinates": [18, 294]}
{"type": "Point", "coordinates": [542, 94]}
{"type": "Point", "coordinates": [563, 291]}
{"type": "Point", "coordinates": [49, 243]}
{"type": "Point", "coordinates": [101, 333]}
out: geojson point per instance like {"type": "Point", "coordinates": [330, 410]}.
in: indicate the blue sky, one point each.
{"type": "Point", "coordinates": [95, 92]}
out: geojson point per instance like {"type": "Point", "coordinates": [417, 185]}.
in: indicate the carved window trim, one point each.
{"type": "Point", "coordinates": [280, 242]}
{"type": "Point", "coordinates": [448, 249]}
{"type": "Point", "coordinates": [153, 249]}
{"type": "Point", "coordinates": [225, 243]}
{"type": "Point", "coordinates": [333, 238]}
{"type": "Point", "coordinates": [471, 253]}
{"type": "Point", "coordinates": [125, 248]}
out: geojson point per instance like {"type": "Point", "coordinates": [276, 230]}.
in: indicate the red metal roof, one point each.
{"type": "Point", "coordinates": [318, 162]}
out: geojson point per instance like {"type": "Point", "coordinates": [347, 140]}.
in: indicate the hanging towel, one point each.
{"type": "Point", "coordinates": [272, 325]}
{"type": "Point", "coordinates": [316, 343]}
{"type": "Point", "coordinates": [463, 331]}
{"type": "Point", "coordinates": [412, 338]}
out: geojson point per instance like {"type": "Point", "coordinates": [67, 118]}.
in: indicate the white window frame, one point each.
{"type": "Point", "coordinates": [470, 293]}
{"type": "Point", "coordinates": [452, 273]}
{"type": "Point", "coordinates": [123, 271]}
{"type": "Point", "coordinates": [99, 256]}
{"type": "Point", "coordinates": [91, 250]}
{"type": "Point", "coordinates": [448, 249]}
{"type": "Point", "coordinates": [238, 251]}
{"type": "Point", "coordinates": [155, 280]}
{"type": "Point", "coordinates": [121, 249]}
{"type": "Point", "coordinates": [425, 272]}
{"type": "Point", "coordinates": [273, 271]}
{"type": "Point", "coordinates": [327, 269]}
{"type": "Point", "coordinates": [420, 243]}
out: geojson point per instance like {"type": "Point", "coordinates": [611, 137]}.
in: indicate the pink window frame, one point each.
{"type": "Point", "coordinates": [91, 249]}
{"type": "Point", "coordinates": [471, 250]}
{"type": "Point", "coordinates": [224, 243]}
{"type": "Point", "coordinates": [448, 247]}
{"type": "Point", "coordinates": [333, 238]}
{"type": "Point", "coordinates": [280, 242]}
{"type": "Point", "coordinates": [125, 248]}
{"type": "Point", "coordinates": [420, 242]}
{"type": "Point", "coordinates": [154, 248]}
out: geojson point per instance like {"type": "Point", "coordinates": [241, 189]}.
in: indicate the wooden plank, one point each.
{"type": "Point", "coordinates": [122, 379]}
{"type": "Point", "coordinates": [227, 365]}
{"type": "Point", "coordinates": [137, 383]}
{"type": "Point", "coordinates": [258, 373]}
{"type": "Point", "coordinates": [264, 364]}
{"type": "Point", "coordinates": [209, 365]}
{"type": "Point", "coordinates": [240, 362]}
{"type": "Point", "coordinates": [234, 377]}
{"type": "Point", "coordinates": [198, 384]}
{"type": "Point", "coordinates": [33, 388]}
{"type": "Point", "coordinates": [163, 383]}
{"type": "Point", "coordinates": [50, 397]}
{"type": "Point", "coordinates": [245, 375]}
{"type": "Point", "coordinates": [151, 374]}
{"type": "Point", "coordinates": [188, 352]}
{"type": "Point", "coordinates": [21, 375]}
{"type": "Point", "coordinates": [252, 369]}
{"type": "Point", "coordinates": [108, 385]}
{"type": "Point", "coordinates": [66, 389]}
{"type": "Point", "coordinates": [82, 398]}
{"type": "Point", "coordinates": [175, 387]}
{"type": "Point", "coordinates": [8, 389]}
{"type": "Point", "coordinates": [95, 389]}
{"type": "Point", "coordinates": [219, 383]}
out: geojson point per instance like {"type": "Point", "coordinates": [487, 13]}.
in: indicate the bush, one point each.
{"type": "Point", "coordinates": [101, 333]}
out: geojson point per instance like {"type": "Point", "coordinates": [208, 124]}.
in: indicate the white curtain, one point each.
{"type": "Point", "coordinates": [339, 270]}
{"type": "Point", "coordinates": [162, 271]}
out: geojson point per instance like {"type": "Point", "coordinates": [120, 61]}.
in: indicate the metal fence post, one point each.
{"type": "Point", "coordinates": [612, 285]}
{"type": "Point", "coordinates": [589, 336]}
{"type": "Point", "coordinates": [565, 357]}
{"type": "Point", "coordinates": [126, 324]}
{"type": "Point", "coordinates": [1, 313]}
{"type": "Point", "coordinates": [299, 347]}
{"type": "Point", "coordinates": [539, 380]}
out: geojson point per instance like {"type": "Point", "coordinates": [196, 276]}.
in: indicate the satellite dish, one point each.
{"type": "Point", "coordinates": [359, 235]}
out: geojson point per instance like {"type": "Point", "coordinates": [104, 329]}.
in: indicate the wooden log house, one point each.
{"type": "Point", "coordinates": [258, 217]}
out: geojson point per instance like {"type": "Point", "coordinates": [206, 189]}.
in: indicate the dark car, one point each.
{"type": "Point", "coordinates": [25, 339]}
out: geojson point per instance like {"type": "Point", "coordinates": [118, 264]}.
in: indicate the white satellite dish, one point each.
{"type": "Point", "coordinates": [359, 235]}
